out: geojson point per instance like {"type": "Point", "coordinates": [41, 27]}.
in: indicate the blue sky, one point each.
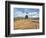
{"type": "Point", "coordinates": [21, 12]}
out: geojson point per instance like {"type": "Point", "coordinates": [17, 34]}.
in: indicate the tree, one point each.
{"type": "Point", "coordinates": [26, 16]}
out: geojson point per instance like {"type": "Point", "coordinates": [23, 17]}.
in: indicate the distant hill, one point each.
{"type": "Point", "coordinates": [24, 18]}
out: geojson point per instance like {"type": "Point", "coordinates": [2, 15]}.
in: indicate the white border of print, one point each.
{"type": "Point", "coordinates": [12, 31]}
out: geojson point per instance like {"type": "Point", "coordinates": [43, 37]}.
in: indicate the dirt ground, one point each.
{"type": "Point", "coordinates": [26, 24]}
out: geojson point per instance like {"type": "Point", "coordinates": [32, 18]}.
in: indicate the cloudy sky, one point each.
{"type": "Point", "coordinates": [21, 12]}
